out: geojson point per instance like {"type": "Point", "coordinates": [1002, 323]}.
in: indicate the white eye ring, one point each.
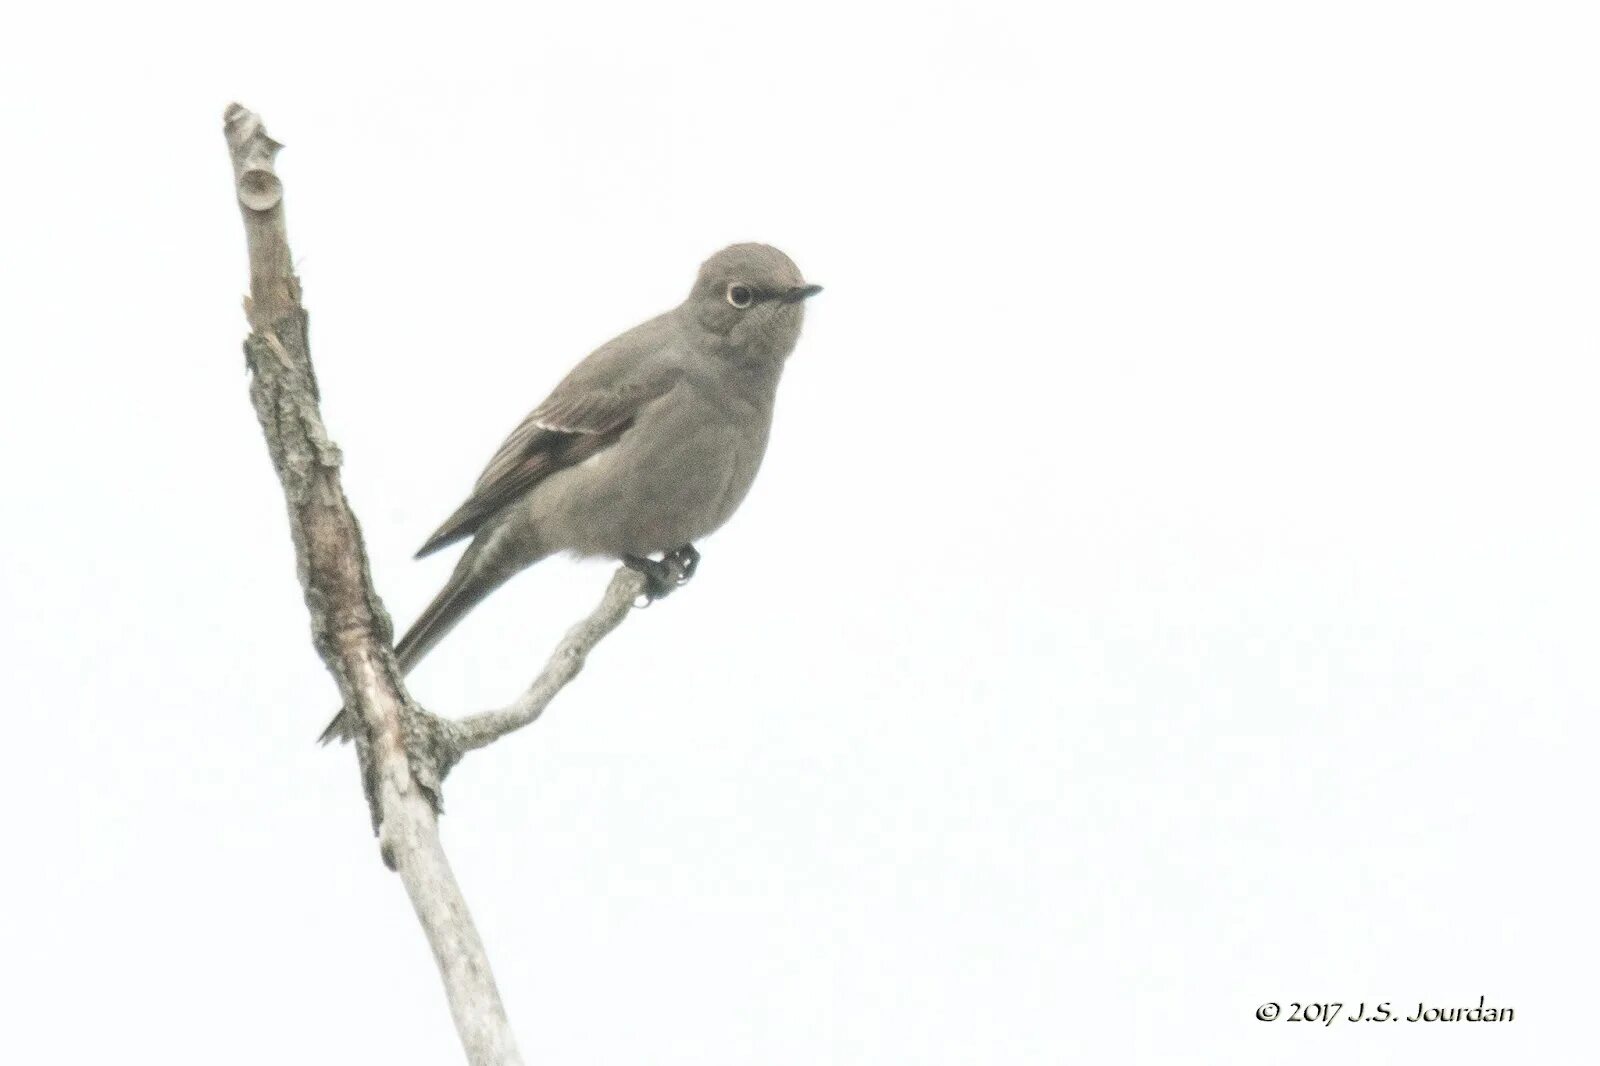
{"type": "Point", "coordinates": [740, 296]}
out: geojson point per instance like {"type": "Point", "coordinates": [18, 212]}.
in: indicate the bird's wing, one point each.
{"type": "Point", "coordinates": [587, 413]}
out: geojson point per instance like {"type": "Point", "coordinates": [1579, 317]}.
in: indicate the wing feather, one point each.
{"type": "Point", "coordinates": [588, 412]}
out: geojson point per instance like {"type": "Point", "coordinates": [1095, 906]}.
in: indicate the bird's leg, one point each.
{"type": "Point", "coordinates": [687, 561]}
{"type": "Point", "coordinates": [660, 577]}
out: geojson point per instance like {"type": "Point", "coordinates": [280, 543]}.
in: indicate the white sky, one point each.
{"type": "Point", "coordinates": [1172, 585]}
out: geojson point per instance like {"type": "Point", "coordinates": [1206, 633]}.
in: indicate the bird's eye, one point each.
{"type": "Point", "coordinates": [740, 296]}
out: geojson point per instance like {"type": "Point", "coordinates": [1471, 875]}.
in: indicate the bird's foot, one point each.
{"type": "Point", "coordinates": [660, 577]}
{"type": "Point", "coordinates": [663, 575]}
{"type": "Point", "coordinates": [687, 561]}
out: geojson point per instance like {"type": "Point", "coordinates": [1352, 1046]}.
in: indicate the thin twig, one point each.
{"type": "Point", "coordinates": [478, 730]}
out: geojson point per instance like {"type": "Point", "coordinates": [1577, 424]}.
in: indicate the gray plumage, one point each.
{"type": "Point", "coordinates": [647, 446]}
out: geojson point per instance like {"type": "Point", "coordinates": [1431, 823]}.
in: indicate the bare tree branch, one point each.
{"type": "Point", "coordinates": [399, 746]}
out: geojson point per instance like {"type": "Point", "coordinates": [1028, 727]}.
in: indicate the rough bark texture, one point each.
{"type": "Point", "coordinates": [402, 751]}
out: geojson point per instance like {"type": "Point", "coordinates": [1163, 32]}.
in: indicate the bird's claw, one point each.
{"type": "Point", "coordinates": [687, 560]}
{"type": "Point", "coordinates": [659, 577]}
{"type": "Point", "coordinates": [663, 575]}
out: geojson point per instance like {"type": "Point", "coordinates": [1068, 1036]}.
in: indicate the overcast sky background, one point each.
{"type": "Point", "coordinates": [1171, 587]}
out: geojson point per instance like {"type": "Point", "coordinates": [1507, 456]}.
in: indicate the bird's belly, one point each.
{"type": "Point", "coordinates": [637, 501]}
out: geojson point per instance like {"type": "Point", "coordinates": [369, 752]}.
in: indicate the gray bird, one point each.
{"type": "Point", "coordinates": [647, 446]}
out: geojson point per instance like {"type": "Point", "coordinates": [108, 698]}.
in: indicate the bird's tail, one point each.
{"type": "Point", "coordinates": [465, 590]}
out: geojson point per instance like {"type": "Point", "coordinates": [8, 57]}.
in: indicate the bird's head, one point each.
{"type": "Point", "coordinates": [752, 297]}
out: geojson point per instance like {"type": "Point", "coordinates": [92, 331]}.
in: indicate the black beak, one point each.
{"type": "Point", "coordinates": [800, 292]}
